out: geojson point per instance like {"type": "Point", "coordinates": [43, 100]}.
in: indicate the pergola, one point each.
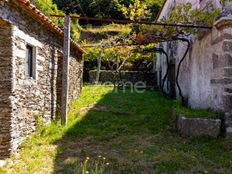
{"type": "Point", "coordinates": [66, 51]}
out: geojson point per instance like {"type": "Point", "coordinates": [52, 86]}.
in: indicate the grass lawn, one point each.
{"type": "Point", "coordinates": [126, 133]}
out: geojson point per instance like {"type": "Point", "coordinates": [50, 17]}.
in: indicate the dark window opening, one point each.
{"type": "Point", "coordinates": [30, 61]}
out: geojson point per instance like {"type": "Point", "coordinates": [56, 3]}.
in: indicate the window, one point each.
{"type": "Point", "coordinates": [30, 72]}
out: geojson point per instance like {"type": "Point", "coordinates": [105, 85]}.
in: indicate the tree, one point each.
{"type": "Point", "coordinates": [104, 8]}
{"type": "Point", "coordinates": [48, 7]}
{"type": "Point", "coordinates": [136, 11]}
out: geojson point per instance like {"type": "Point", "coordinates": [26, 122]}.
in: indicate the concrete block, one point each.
{"type": "Point", "coordinates": [196, 127]}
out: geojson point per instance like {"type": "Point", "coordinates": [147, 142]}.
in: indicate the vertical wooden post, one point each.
{"type": "Point", "coordinates": [98, 66]}
{"type": "Point", "coordinates": [65, 74]}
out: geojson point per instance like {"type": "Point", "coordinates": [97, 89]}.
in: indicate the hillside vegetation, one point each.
{"type": "Point", "coordinates": [92, 8]}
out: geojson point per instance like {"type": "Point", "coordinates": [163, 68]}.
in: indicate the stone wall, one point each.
{"type": "Point", "coordinates": [5, 87]}
{"type": "Point", "coordinates": [126, 76]}
{"type": "Point", "coordinates": [76, 77]}
{"type": "Point", "coordinates": [30, 97]}
{"type": "Point", "coordinates": [224, 23]}
{"type": "Point", "coordinates": [202, 72]}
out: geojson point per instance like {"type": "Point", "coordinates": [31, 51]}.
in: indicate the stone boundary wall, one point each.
{"type": "Point", "coordinates": [127, 76]}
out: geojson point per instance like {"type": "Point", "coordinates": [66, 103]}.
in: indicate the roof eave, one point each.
{"type": "Point", "coordinates": [160, 11]}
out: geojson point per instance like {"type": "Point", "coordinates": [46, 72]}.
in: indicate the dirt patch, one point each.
{"type": "Point", "coordinates": [121, 152]}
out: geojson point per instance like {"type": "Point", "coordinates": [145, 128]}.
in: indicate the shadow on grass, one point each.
{"type": "Point", "coordinates": [132, 132]}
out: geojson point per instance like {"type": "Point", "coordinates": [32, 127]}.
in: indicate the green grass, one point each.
{"type": "Point", "coordinates": [132, 131]}
{"type": "Point", "coordinates": [198, 113]}
{"type": "Point", "coordinates": [110, 27]}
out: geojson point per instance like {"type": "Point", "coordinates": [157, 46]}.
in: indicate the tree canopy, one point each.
{"type": "Point", "coordinates": [104, 8]}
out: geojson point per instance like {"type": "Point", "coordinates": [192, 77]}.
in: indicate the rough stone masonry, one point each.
{"type": "Point", "coordinates": [22, 98]}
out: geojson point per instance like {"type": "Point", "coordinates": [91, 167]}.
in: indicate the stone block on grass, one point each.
{"type": "Point", "coordinates": [197, 127]}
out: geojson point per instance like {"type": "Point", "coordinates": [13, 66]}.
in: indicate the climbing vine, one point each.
{"type": "Point", "coordinates": [182, 14]}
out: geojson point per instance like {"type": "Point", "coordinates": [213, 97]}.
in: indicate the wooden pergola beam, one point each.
{"type": "Point", "coordinates": [134, 22]}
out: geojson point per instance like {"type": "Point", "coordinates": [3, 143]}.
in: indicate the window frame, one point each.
{"type": "Point", "coordinates": [30, 70]}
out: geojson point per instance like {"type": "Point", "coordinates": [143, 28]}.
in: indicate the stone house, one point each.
{"type": "Point", "coordinates": [206, 73]}
{"type": "Point", "coordinates": [31, 71]}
